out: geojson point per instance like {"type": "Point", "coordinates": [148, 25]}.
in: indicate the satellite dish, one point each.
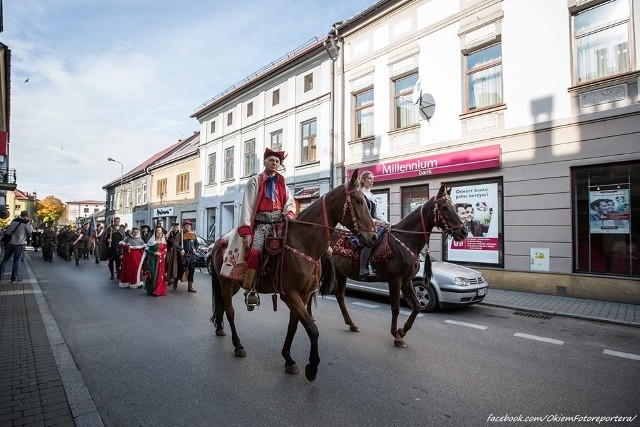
{"type": "Point", "coordinates": [426, 106]}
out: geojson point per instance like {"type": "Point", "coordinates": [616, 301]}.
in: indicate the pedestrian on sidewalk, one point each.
{"type": "Point", "coordinates": [18, 231]}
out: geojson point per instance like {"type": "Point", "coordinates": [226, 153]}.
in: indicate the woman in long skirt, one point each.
{"type": "Point", "coordinates": [132, 250]}
{"type": "Point", "coordinates": [156, 251]}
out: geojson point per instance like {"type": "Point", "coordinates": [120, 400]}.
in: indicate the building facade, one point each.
{"type": "Point", "coordinates": [287, 106]}
{"type": "Point", "coordinates": [536, 132]}
{"type": "Point", "coordinates": [78, 211]}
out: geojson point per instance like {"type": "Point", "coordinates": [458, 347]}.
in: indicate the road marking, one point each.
{"type": "Point", "coordinates": [408, 313]}
{"type": "Point", "coordinates": [364, 304]}
{"type": "Point", "coordinates": [537, 338]}
{"type": "Point", "coordinates": [621, 354]}
{"type": "Point", "coordinates": [468, 325]}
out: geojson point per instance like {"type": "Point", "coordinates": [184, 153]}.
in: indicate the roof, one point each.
{"type": "Point", "coordinates": [189, 147]}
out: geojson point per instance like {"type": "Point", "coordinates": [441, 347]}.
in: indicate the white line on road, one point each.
{"type": "Point", "coordinates": [468, 325]}
{"type": "Point", "coordinates": [537, 338]}
{"type": "Point", "coordinates": [364, 304]}
{"type": "Point", "coordinates": [621, 354]}
{"type": "Point", "coordinates": [408, 313]}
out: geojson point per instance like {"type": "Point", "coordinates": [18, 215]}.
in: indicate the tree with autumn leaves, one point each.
{"type": "Point", "coordinates": [50, 209]}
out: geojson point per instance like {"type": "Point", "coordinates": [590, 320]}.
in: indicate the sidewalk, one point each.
{"type": "Point", "coordinates": [41, 385]}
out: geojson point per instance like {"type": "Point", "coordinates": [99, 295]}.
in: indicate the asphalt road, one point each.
{"type": "Point", "coordinates": [156, 361]}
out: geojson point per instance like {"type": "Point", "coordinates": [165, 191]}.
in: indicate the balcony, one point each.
{"type": "Point", "coordinates": [8, 180]}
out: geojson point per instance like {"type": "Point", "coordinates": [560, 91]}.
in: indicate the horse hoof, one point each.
{"type": "Point", "coordinates": [310, 375]}
{"type": "Point", "coordinates": [221, 333]}
{"type": "Point", "coordinates": [292, 369]}
{"type": "Point", "coordinates": [400, 343]}
{"type": "Point", "coordinates": [354, 328]}
{"type": "Point", "coordinates": [241, 352]}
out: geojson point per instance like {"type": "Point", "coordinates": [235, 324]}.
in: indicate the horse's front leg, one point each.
{"type": "Point", "coordinates": [411, 297]}
{"type": "Point", "coordinates": [394, 295]}
{"type": "Point", "coordinates": [299, 310]}
{"type": "Point", "coordinates": [341, 284]}
{"type": "Point", "coordinates": [289, 364]}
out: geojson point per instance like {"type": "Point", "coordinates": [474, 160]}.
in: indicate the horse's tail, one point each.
{"type": "Point", "coordinates": [426, 274]}
{"type": "Point", "coordinates": [217, 302]}
{"type": "Point", "coordinates": [328, 276]}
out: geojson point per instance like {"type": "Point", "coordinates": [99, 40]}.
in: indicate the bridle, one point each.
{"type": "Point", "coordinates": [439, 219]}
{"type": "Point", "coordinates": [348, 204]}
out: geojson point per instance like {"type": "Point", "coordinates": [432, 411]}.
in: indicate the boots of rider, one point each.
{"type": "Point", "coordinates": [190, 289]}
{"type": "Point", "coordinates": [365, 271]}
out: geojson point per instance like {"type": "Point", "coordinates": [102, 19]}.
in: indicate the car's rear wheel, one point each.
{"type": "Point", "coordinates": [426, 296]}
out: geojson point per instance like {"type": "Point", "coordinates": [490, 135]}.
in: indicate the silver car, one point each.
{"type": "Point", "coordinates": [451, 285]}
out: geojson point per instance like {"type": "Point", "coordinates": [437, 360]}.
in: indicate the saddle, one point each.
{"type": "Point", "coordinates": [381, 250]}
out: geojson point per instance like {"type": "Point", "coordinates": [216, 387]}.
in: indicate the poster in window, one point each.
{"type": "Point", "coordinates": [477, 207]}
{"type": "Point", "coordinates": [609, 211]}
{"type": "Point", "coordinates": [382, 205]}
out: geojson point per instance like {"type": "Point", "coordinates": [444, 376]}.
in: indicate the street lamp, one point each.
{"type": "Point", "coordinates": [121, 175]}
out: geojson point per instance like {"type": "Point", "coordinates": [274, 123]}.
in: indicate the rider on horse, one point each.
{"type": "Point", "coordinates": [267, 201]}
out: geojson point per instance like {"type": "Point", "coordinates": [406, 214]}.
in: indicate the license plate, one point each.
{"type": "Point", "coordinates": [482, 291]}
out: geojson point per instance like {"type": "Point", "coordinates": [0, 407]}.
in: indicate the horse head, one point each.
{"type": "Point", "coordinates": [447, 218]}
{"type": "Point", "coordinates": [359, 221]}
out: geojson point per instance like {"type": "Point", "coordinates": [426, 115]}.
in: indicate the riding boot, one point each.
{"type": "Point", "coordinates": [251, 298]}
{"type": "Point", "coordinates": [190, 289]}
{"type": "Point", "coordinates": [365, 271]}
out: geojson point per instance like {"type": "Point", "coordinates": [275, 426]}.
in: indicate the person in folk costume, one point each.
{"type": "Point", "coordinates": [81, 244]}
{"type": "Point", "coordinates": [132, 252]}
{"type": "Point", "coordinates": [266, 202]}
{"type": "Point", "coordinates": [186, 247]}
{"type": "Point", "coordinates": [49, 238]}
{"type": "Point", "coordinates": [97, 238]}
{"type": "Point", "coordinates": [36, 239]}
{"type": "Point", "coordinates": [112, 237]}
{"type": "Point", "coordinates": [156, 252]}
{"type": "Point", "coordinates": [172, 256]}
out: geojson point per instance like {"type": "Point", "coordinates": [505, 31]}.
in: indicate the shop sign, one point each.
{"type": "Point", "coordinates": [160, 212]}
{"type": "Point", "coordinates": [307, 192]}
{"type": "Point", "coordinates": [439, 164]}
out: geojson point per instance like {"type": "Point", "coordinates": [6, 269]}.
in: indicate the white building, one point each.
{"type": "Point", "coordinates": [82, 209]}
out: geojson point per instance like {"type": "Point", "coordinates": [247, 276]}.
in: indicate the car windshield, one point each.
{"type": "Point", "coordinates": [202, 243]}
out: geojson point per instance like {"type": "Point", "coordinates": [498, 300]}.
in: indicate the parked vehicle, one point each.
{"type": "Point", "coordinates": [202, 251]}
{"type": "Point", "coordinates": [451, 285]}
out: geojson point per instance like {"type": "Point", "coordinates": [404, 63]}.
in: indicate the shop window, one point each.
{"type": "Point", "coordinates": [413, 198]}
{"type": "Point", "coordinates": [606, 210]}
{"type": "Point", "coordinates": [479, 206]}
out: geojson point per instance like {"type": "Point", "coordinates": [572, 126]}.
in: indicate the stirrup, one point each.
{"type": "Point", "coordinates": [251, 299]}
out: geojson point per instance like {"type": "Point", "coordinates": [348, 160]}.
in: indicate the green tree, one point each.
{"type": "Point", "coordinates": [50, 209]}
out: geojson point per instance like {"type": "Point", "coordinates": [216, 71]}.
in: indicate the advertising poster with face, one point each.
{"type": "Point", "coordinates": [477, 207]}
{"type": "Point", "coordinates": [609, 211]}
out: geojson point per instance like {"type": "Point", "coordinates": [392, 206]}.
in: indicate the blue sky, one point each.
{"type": "Point", "coordinates": [120, 78]}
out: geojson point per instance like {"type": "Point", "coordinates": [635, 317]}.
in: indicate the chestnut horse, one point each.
{"type": "Point", "coordinates": [405, 241]}
{"type": "Point", "coordinates": [306, 240]}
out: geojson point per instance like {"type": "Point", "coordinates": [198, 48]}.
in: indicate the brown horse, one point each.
{"type": "Point", "coordinates": [306, 240]}
{"type": "Point", "coordinates": [405, 241]}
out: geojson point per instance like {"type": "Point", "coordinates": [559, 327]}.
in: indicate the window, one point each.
{"type": "Point", "coordinates": [484, 77]}
{"type": "Point", "coordinates": [182, 182]}
{"type": "Point", "coordinates": [112, 201]}
{"type": "Point", "coordinates": [606, 211]}
{"type": "Point", "coordinates": [86, 211]}
{"type": "Point", "coordinates": [161, 188]}
{"type": "Point", "coordinates": [275, 97]}
{"type": "Point", "coordinates": [364, 114]}
{"type": "Point", "coordinates": [144, 194]}
{"type": "Point", "coordinates": [228, 164]}
{"type": "Point", "coordinates": [230, 118]}
{"type": "Point", "coordinates": [138, 195]}
{"type": "Point", "coordinates": [211, 168]}
{"type": "Point", "coordinates": [601, 36]}
{"type": "Point", "coordinates": [127, 199]}
{"type": "Point", "coordinates": [249, 157]}
{"type": "Point", "coordinates": [308, 82]}
{"type": "Point", "coordinates": [96, 210]}
{"type": "Point", "coordinates": [308, 151]}
{"type": "Point", "coordinates": [413, 198]}
{"type": "Point", "coordinates": [213, 126]}
{"type": "Point", "coordinates": [250, 109]}
{"type": "Point", "coordinates": [276, 140]}
{"type": "Point", "coordinates": [406, 112]}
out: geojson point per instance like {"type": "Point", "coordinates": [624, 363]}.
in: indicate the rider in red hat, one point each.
{"type": "Point", "coordinates": [267, 201]}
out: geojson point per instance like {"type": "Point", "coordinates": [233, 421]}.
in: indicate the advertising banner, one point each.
{"type": "Point", "coordinates": [609, 211]}
{"type": "Point", "coordinates": [477, 207]}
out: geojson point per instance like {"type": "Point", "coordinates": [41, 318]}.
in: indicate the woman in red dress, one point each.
{"type": "Point", "coordinates": [132, 250]}
{"type": "Point", "coordinates": [156, 250]}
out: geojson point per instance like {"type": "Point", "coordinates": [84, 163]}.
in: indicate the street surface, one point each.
{"type": "Point", "coordinates": [151, 361]}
